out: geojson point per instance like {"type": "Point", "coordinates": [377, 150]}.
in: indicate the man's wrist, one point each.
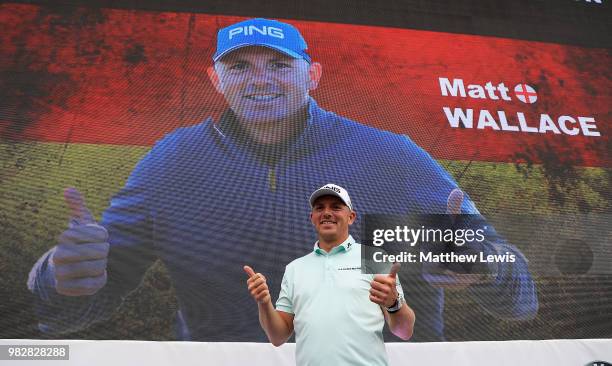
{"type": "Point", "coordinates": [396, 306]}
{"type": "Point", "coordinates": [265, 304]}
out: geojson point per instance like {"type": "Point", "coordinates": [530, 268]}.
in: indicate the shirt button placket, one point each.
{"type": "Point", "coordinates": [327, 268]}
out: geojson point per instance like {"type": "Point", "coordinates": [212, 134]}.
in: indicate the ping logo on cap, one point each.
{"type": "Point", "coordinates": [252, 29]}
{"type": "Point", "coordinates": [279, 36]}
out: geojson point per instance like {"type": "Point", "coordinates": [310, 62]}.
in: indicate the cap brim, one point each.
{"type": "Point", "coordinates": [273, 47]}
{"type": "Point", "coordinates": [325, 192]}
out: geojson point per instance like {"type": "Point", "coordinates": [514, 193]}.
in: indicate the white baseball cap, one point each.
{"type": "Point", "coordinates": [332, 190]}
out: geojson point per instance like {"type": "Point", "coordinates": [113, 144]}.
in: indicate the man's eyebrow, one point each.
{"type": "Point", "coordinates": [232, 60]}
{"type": "Point", "coordinates": [281, 58]}
{"type": "Point", "coordinates": [239, 59]}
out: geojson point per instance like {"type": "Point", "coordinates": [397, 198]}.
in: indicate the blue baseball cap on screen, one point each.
{"type": "Point", "coordinates": [269, 33]}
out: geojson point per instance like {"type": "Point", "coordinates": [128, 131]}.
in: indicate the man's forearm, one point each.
{"type": "Point", "coordinates": [276, 328]}
{"type": "Point", "coordinates": [512, 293]}
{"type": "Point", "coordinates": [401, 323]}
{"type": "Point", "coordinates": [60, 314]}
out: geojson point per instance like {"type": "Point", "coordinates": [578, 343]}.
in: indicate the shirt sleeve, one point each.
{"type": "Point", "coordinates": [129, 224]}
{"type": "Point", "coordinates": [285, 297]}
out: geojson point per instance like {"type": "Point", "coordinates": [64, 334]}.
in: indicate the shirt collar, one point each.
{"type": "Point", "coordinates": [345, 246]}
{"type": "Point", "coordinates": [228, 123]}
{"type": "Point", "coordinates": [301, 144]}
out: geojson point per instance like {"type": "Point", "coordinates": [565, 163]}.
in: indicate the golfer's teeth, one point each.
{"type": "Point", "coordinates": [327, 222]}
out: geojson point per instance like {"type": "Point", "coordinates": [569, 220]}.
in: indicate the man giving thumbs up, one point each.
{"type": "Point", "coordinates": [78, 262]}
{"type": "Point", "coordinates": [337, 312]}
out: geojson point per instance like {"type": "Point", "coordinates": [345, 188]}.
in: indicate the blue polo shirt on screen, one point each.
{"type": "Point", "coordinates": [334, 320]}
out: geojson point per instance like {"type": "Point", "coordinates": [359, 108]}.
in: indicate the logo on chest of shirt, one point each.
{"type": "Point", "coordinates": [349, 268]}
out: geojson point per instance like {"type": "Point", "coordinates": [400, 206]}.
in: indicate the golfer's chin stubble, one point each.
{"type": "Point", "coordinates": [281, 110]}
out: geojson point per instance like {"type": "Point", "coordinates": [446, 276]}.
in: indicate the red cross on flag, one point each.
{"type": "Point", "coordinates": [525, 93]}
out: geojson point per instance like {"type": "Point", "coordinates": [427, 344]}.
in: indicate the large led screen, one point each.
{"type": "Point", "coordinates": [119, 105]}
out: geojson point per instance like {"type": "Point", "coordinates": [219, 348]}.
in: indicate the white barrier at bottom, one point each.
{"type": "Point", "coordinates": [579, 352]}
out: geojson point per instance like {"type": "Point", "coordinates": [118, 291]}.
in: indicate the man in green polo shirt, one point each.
{"type": "Point", "coordinates": [337, 312]}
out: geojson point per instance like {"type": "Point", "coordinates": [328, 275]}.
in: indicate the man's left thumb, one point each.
{"type": "Point", "coordinates": [394, 269]}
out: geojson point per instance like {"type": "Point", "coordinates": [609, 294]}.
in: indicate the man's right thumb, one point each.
{"type": "Point", "coordinates": [79, 214]}
{"type": "Point", "coordinates": [249, 271]}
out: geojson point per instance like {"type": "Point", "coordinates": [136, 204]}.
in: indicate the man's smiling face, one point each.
{"type": "Point", "coordinates": [331, 218]}
{"type": "Point", "coordinates": [262, 85]}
